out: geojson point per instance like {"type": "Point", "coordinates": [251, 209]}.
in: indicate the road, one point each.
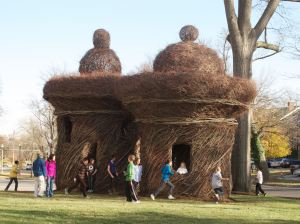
{"type": "Point", "coordinates": [289, 192]}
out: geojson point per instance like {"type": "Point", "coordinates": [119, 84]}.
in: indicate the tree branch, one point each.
{"type": "Point", "coordinates": [260, 44]}
{"type": "Point", "coordinates": [244, 15]}
{"type": "Point", "coordinates": [265, 18]}
{"type": "Point", "coordinates": [232, 21]}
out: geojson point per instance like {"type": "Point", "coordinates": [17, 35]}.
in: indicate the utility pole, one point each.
{"type": "Point", "coordinates": [20, 164]}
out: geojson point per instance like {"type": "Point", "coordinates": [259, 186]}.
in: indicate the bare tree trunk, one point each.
{"type": "Point", "coordinates": [265, 169]}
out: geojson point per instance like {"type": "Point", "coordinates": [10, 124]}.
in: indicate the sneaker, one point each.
{"type": "Point", "coordinates": [257, 195]}
{"type": "Point", "coordinates": [66, 192]}
{"type": "Point", "coordinates": [5, 190]}
{"type": "Point", "coordinates": [217, 202]}
{"type": "Point", "coordinates": [137, 202]}
{"type": "Point", "coordinates": [171, 197]}
{"type": "Point", "coordinates": [91, 191]}
{"type": "Point", "coordinates": [265, 194]}
{"type": "Point", "coordinates": [217, 196]}
{"type": "Point", "coordinates": [88, 191]}
{"type": "Point", "coordinates": [115, 192]}
{"type": "Point", "coordinates": [109, 192]}
{"type": "Point", "coordinates": [152, 197]}
{"type": "Point", "coordinates": [86, 197]}
{"type": "Point", "coordinates": [39, 196]}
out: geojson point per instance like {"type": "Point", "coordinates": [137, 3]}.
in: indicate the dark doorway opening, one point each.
{"type": "Point", "coordinates": [68, 129]}
{"type": "Point", "coordinates": [181, 153]}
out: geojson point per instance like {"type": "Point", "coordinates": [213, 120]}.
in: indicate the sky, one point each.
{"type": "Point", "coordinates": [39, 35]}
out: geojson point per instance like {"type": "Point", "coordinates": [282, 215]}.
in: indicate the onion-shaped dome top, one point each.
{"type": "Point", "coordinates": [100, 58]}
{"type": "Point", "coordinates": [187, 55]}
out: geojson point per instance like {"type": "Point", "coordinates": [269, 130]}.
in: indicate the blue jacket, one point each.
{"type": "Point", "coordinates": [39, 168]}
{"type": "Point", "coordinates": [166, 172]}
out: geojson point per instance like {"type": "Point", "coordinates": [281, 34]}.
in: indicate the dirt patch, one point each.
{"type": "Point", "coordinates": [243, 193]}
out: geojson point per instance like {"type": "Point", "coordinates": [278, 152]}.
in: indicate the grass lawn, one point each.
{"type": "Point", "coordinates": [274, 174]}
{"type": "Point", "coordinates": [19, 207]}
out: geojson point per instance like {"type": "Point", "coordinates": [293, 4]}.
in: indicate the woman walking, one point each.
{"type": "Point", "coordinates": [51, 171]}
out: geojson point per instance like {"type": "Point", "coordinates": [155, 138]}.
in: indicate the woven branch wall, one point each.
{"type": "Point", "coordinates": [185, 111]}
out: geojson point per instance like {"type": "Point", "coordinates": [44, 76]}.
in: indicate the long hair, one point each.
{"type": "Point", "coordinates": [50, 158]}
{"type": "Point", "coordinates": [135, 161]}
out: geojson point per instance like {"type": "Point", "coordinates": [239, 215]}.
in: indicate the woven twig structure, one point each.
{"type": "Point", "coordinates": [101, 58]}
{"type": "Point", "coordinates": [185, 111]}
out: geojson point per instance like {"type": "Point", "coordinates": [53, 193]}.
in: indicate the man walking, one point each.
{"type": "Point", "coordinates": [40, 175]}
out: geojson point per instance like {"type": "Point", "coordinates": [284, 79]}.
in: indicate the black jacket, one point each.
{"type": "Point", "coordinates": [80, 171]}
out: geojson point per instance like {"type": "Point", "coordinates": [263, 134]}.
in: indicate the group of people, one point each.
{"type": "Point", "coordinates": [43, 171]}
{"type": "Point", "coordinates": [46, 171]}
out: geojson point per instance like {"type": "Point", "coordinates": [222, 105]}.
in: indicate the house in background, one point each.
{"type": "Point", "coordinates": [292, 118]}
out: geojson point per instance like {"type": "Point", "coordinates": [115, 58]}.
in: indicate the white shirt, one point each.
{"type": "Point", "coordinates": [182, 170]}
{"type": "Point", "coordinates": [216, 182]}
{"type": "Point", "coordinates": [138, 173]}
{"type": "Point", "coordinates": [259, 177]}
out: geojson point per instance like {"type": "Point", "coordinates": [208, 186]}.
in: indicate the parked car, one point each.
{"type": "Point", "coordinates": [295, 165]}
{"type": "Point", "coordinates": [297, 172]}
{"type": "Point", "coordinates": [28, 166]}
{"type": "Point", "coordinates": [277, 162]}
{"type": "Point", "coordinates": [286, 163]}
{"type": "Point", "coordinates": [269, 162]}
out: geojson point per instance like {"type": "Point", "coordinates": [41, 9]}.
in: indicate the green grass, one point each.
{"type": "Point", "coordinates": [22, 207]}
{"type": "Point", "coordinates": [274, 181]}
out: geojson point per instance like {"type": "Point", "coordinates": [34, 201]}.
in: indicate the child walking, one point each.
{"type": "Point", "coordinates": [79, 176]}
{"type": "Point", "coordinates": [111, 168]}
{"type": "Point", "coordinates": [217, 184]}
{"type": "Point", "coordinates": [259, 180]}
{"type": "Point", "coordinates": [13, 176]}
{"type": "Point", "coordinates": [138, 168]}
{"type": "Point", "coordinates": [92, 175]}
{"type": "Point", "coordinates": [166, 170]}
{"type": "Point", "coordinates": [51, 173]}
{"type": "Point", "coordinates": [130, 190]}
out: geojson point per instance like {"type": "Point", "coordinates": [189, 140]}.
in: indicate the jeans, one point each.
{"type": "Point", "coordinates": [39, 186]}
{"type": "Point", "coordinates": [162, 185]}
{"type": "Point", "coordinates": [130, 191]}
{"type": "Point", "coordinates": [219, 191]}
{"type": "Point", "coordinates": [111, 179]}
{"type": "Point", "coordinates": [83, 185]}
{"type": "Point", "coordinates": [135, 184]}
{"type": "Point", "coordinates": [259, 189]}
{"type": "Point", "coordinates": [10, 182]}
{"type": "Point", "coordinates": [91, 181]}
{"type": "Point", "coordinates": [49, 187]}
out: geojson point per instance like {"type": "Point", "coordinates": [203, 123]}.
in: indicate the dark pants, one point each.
{"type": "Point", "coordinates": [49, 187]}
{"type": "Point", "coordinates": [162, 185]}
{"type": "Point", "coordinates": [258, 189]}
{"type": "Point", "coordinates": [135, 184]}
{"type": "Point", "coordinates": [111, 179]}
{"type": "Point", "coordinates": [16, 183]}
{"type": "Point", "coordinates": [130, 191]}
{"type": "Point", "coordinates": [83, 185]}
{"type": "Point", "coordinates": [91, 181]}
{"type": "Point", "coordinates": [219, 191]}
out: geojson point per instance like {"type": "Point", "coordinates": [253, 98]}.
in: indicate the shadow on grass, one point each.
{"type": "Point", "coordinates": [10, 216]}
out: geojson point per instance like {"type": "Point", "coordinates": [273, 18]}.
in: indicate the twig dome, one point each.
{"type": "Point", "coordinates": [187, 55]}
{"type": "Point", "coordinates": [101, 58]}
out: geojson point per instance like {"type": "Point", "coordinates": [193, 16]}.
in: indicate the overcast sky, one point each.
{"type": "Point", "coordinates": [38, 35]}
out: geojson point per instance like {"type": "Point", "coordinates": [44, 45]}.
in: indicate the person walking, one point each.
{"type": "Point", "coordinates": [50, 168]}
{"type": "Point", "coordinates": [259, 180]}
{"type": "Point", "coordinates": [130, 190]}
{"type": "Point", "coordinates": [13, 176]}
{"type": "Point", "coordinates": [79, 176]}
{"type": "Point", "coordinates": [40, 175]}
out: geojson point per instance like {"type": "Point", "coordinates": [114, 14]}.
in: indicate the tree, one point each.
{"type": "Point", "coordinates": [244, 41]}
{"type": "Point", "coordinates": [276, 146]}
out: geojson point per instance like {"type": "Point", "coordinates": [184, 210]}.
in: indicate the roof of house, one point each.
{"type": "Point", "coordinates": [292, 113]}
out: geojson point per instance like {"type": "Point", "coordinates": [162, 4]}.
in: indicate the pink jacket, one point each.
{"type": "Point", "coordinates": [50, 168]}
